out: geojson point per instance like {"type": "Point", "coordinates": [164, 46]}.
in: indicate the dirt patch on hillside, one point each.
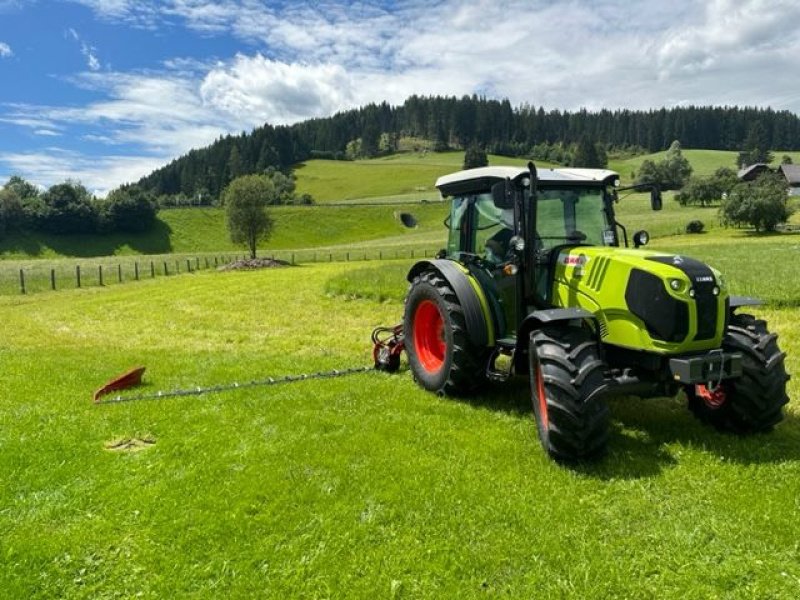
{"type": "Point", "coordinates": [254, 263]}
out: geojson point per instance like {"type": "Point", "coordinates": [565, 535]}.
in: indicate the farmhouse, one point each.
{"type": "Point", "coordinates": [792, 174]}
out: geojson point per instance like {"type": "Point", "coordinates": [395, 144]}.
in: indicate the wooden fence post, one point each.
{"type": "Point", "coordinates": [152, 270]}
{"type": "Point", "coordinates": [100, 274]}
{"type": "Point", "coordinates": [119, 272]}
{"type": "Point", "coordinates": [188, 266]}
{"type": "Point", "coordinates": [136, 270]}
{"type": "Point", "coordinates": [77, 275]}
{"type": "Point", "coordinates": [22, 281]}
{"type": "Point", "coordinates": [166, 270]}
{"type": "Point", "coordinates": [52, 279]}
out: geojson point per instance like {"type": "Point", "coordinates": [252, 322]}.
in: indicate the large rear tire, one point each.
{"type": "Point", "coordinates": [441, 356]}
{"type": "Point", "coordinates": [753, 402]}
{"type": "Point", "coordinates": [566, 377]}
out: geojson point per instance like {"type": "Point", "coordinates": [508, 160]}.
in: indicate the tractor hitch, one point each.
{"type": "Point", "coordinates": [712, 367]}
{"type": "Point", "coordinates": [388, 345]}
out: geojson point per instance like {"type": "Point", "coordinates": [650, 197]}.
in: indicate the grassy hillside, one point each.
{"type": "Point", "coordinates": [351, 488]}
{"type": "Point", "coordinates": [409, 174]}
{"type": "Point", "coordinates": [200, 230]}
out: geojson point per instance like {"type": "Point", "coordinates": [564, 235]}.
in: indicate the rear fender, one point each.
{"type": "Point", "coordinates": [469, 293]}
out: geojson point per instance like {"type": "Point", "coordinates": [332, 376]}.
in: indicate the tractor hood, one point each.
{"type": "Point", "coordinates": [642, 298]}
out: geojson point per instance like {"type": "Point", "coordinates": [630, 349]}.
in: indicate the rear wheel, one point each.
{"type": "Point", "coordinates": [441, 356]}
{"type": "Point", "coordinates": [753, 402]}
{"type": "Point", "coordinates": [567, 377]}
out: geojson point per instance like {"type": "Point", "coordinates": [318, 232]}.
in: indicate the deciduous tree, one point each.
{"type": "Point", "coordinates": [246, 199]}
{"type": "Point", "coordinates": [761, 203]}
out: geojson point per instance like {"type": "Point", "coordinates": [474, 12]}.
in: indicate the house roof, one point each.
{"type": "Point", "coordinates": [752, 171]}
{"type": "Point", "coordinates": [792, 173]}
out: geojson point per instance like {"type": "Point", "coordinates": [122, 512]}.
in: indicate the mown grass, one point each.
{"type": "Point", "coordinates": [411, 174]}
{"type": "Point", "coordinates": [357, 487]}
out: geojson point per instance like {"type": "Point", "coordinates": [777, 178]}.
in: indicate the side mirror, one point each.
{"type": "Point", "coordinates": [640, 238]}
{"type": "Point", "coordinates": [655, 198]}
{"type": "Point", "coordinates": [502, 195]}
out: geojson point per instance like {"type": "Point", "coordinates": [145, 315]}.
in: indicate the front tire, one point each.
{"type": "Point", "coordinates": [567, 377]}
{"type": "Point", "coordinates": [440, 354]}
{"type": "Point", "coordinates": [753, 402]}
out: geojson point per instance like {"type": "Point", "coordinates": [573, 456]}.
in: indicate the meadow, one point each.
{"type": "Point", "coordinates": [356, 487]}
{"type": "Point", "coordinates": [363, 486]}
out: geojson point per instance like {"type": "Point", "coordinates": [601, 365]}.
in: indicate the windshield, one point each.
{"type": "Point", "coordinates": [572, 215]}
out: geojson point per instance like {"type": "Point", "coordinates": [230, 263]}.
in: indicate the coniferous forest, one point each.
{"type": "Point", "coordinates": [450, 122]}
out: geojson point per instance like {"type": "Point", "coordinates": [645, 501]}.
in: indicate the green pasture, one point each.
{"type": "Point", "coordinates": [359, 487]}
{"type": "Point", "coordinates": [409, 175]}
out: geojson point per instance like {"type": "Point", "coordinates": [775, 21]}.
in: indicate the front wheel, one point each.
{"type": "Point", "coordinates": [440, 354]}
{"type": "Point", "coordinates": [753, 402]}
{"type": "Point", "coordinates": [567, 379]}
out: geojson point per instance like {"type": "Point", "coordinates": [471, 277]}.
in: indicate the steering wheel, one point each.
{"type": "Point", "coordinates": [576, 236]}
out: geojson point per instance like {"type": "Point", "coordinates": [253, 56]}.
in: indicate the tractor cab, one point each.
{"type": "Point", "coordinates": [495, 225]}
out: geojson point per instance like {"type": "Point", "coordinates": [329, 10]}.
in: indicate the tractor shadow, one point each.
{"type": "Point", "coordinates": [648, 436]}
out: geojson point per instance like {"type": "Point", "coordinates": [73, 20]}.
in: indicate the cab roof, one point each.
{"type": "Point", "coordinates": [481, 179]}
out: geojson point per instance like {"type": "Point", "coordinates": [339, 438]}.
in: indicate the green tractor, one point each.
{"type": "Point", "coordinates": [534, 280]}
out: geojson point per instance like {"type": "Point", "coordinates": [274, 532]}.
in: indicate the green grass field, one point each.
{"type": "Point", "coordinates": [358, 487]}
{"type": "Point", "coordinates": [407, 175]}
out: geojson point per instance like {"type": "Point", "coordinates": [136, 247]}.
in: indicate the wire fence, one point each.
{"type": "Point", "coordinates": [35, 276]}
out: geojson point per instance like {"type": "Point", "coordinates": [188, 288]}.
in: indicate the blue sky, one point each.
{"type": "Point", "coordinates": [104, 91]}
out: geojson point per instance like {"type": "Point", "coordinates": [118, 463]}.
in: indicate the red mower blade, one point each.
{"type": "Point", "coordinates": [127, 380]}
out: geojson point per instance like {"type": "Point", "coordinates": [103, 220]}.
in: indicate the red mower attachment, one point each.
{"type": "Point", "coordinates": [127, 380]}
{"type": "Point", "coordinates": [388, 345]}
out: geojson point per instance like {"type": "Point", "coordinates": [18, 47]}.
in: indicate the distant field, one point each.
{"type": "Point", "coordinates": [410, 174]}
{"type": "Point", "coordinates": [704, 162]}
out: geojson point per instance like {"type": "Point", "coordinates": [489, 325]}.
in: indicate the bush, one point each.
{"type": "Point", "coordinates": [761, 203]}
{"type": "Point", "coordinates": [66, 208]}
{"type": "Point", "coordinates": [695, 226]}
{"type": "Point", "coordinates": [475, 156]}
{"type": "Point", "coordinates": [707, 190]}
{"type": "Point", "coordinates": [129, 208]}
{"type": "Point", "coordinates": [671, 173]}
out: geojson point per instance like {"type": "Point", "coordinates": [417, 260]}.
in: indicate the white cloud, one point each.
{"type": "Point", "coordinates": [99, 175]}
{"type": "Point", "coordinates": [89, 52]}
{"type": "Point", "coordinates": [5, 50]}
{"type": "Point", "coordinates": [300, 60]}
{"type": "Point", "coordinates": [255, 89]}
